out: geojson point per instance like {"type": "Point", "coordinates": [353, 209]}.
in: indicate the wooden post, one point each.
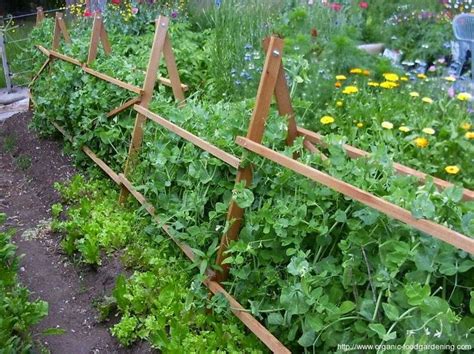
{"type": "Point", "coordinates": [98, 35]}
{"type": "Point", "coordinates": [60, 29]}
{"type": "Point", "coordinates": [255, 132]}
{"type": "Point", "coordinates": [39, 15]}
{"type": "Point", "coordinates": [161, 45]}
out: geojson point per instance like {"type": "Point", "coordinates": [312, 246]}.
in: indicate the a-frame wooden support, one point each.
{"type": "Point", "coordinates": [60, 29]}
{"type": "Point", "coordinates": [161, 45]}
{"type": "Point", "coordinates": [98, 35]}
{"type": "Point", "coordinates": [39, 15]}
{"type": "Point", "coordinates": [272, 83]}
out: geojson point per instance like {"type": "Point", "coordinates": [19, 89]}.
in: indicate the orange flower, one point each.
{"type": "Point", "coordinates": [338, 84]}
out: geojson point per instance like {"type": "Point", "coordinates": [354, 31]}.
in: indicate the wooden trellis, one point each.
{"type": "Point", "coordinates": [273, 82]}
{"type": "Point", "coordinates": [161, 45]}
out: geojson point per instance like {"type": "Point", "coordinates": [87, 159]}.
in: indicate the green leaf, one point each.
{"type": "Point", "coordinates": [416, 293]}
{"type": "Point", "coordinates": [307, 339]}
{"type": "Point", "coordinates": [293, 300]}
{"type": "Point", "coordinates": [367, 215]}
{"type": "Point", "coordinates": [340, 216]}
{"type": "Point", "coordinates": [275, 318]}
{"type": "Point", "coordinates": [423, 207]}
{"type": "Point", "coordinates": [453, 193]}
{"type": "Point", "coordinates": [391, 311]}
{"type": "Point", "coordinates": [379, 329]}
{"type": "Point", "coordinates": [346, 307]}
{"type": "Point", "coordinates": [244, 198]}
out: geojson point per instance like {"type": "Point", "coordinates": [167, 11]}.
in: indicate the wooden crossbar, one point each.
{"type": "Point", "coordinates": [354, 152]}
{"type": "Point", "coordinates": [212, 149]}
{"type": "Point", "coordinates": [113, 80]}
{"type": "Point", "coordinates": [90, 71]}
{"type": "Point", "coordinates": [429, 227]}
{"type": "Point", "coordinates": [167, 82]}
{"type": "Point", "coordinates": [124, 106]}
{"type": "Point", "coordinates": [45, 64]}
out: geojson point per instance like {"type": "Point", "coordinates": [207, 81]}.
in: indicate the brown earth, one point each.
{"type": "Point", "coordinates": [29, 166]}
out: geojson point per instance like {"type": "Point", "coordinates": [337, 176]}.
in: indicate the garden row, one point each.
{"type": "Point", "coordinates": [295, 234]}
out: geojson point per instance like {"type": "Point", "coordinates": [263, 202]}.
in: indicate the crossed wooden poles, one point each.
{"type": "Point", "coordinates": [272, 84]}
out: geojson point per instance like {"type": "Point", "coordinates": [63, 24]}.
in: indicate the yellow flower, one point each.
{"type": "Point", "coordinates": [404, 78]}
{"type": "Point", "coordinates": [373, 83]}
{"type": "Point", "coordinates": [388, 84]}
{"type": "Point", "coordinates": [421, 142]}
{"type": "Point", "coordinates": [429, 131]}
{"type": "Point", "coordinates": [350, 89]}
{"type": "Point", "coordinates": [356, 71]}
{"type": "Point", "coordinates": [421, 76]}
{"type": "Point", "coordinates": [427, 100]}
{"type": "Point", "coordinates": [387, 125]}
{"type": "Point", "coordinates": [466, 125]}
{"type": "Point", "coordinates": [391, 77]}
{"type": "Point", "coordinates": [464, 96]}
{"type": "Point", "coordinates": [360, 125]}
{"type": "Point", "coordinates": [450, 78]}
{"type": "Point", "coordinates": [469, 135]}
{"type": "Point", "coordinates": [452, 170]}
{"type": "Point", "coordinates": [414, 94]}
{"type": "Point", "coordinates": [327, 120]}
{"type": "Point", "coordinates": [340, 77]}
{"type": "Point", "coordinates": [339, 103]}
{"type": "Point", "coordinates": [404, 129]}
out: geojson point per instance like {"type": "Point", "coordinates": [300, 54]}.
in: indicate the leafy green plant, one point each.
{"type": "Point", "coordinates": [17, 313]}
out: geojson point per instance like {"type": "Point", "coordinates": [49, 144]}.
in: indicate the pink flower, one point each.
{"type": "Point", "coordinates": [134, 10]}
{"type": "Point", "coordinates": [336, 6]}
{"type": "Point", "coordinates": [363, 4]}
{"type": "Point", "coordinates": [116, 2]}
{"type": "Point", "coordinates": [87, 13]}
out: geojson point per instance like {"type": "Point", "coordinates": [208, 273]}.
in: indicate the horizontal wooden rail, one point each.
{"type": "Point", "coordinates": [212, 149]}
{"type": "Point", "coordinates": [90, 71]}
{"type": "Point", "coordinates": [167, 82]}
{"type": "Point", "coordinates": [431, 228]}
{"type": "Point", "coordinates": [113, 80]}
{"type": "Point", "coordinates": [123, 107]}
{"type": "Point", "coordinates": [247, 319]}
{"type": "Point", "coordinates": [354, 152]}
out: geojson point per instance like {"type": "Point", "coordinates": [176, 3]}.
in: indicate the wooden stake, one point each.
{"type": "Point", "coordinates": [98, 34]}
{"type": "Point", "coordinates": [162, 24]}
{"type": "Point", "coordinates": [161, 45]}
{"type": "Point", "coordinates": [60, 29]}
{"type": "Point", "coordinates": [39, 15]}
{"type": "Point", "coordinates": [255, 132]}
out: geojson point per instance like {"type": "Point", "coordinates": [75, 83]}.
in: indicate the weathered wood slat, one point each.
{"type": "Point", "coordinates": [255, 132]}
{"type": "Point", "coordinates": [212, 149]}
{"type": "Point", "coordinates": [123, 107]}
{"type": "Point", "coordinates": [394, 211]}
{"type": "Point", "coordinates": [113, 80]}
{"type": "Point", "coordinates": [354, 152]}
{"type": "Point", "coordinates": [45, 64]}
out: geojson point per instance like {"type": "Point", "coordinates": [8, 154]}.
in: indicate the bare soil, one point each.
{"type": "Point", "coordinates": [29, 166]}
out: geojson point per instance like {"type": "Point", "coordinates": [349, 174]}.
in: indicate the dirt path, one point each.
{"type": "Point", "coordinates": [28, 169]}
